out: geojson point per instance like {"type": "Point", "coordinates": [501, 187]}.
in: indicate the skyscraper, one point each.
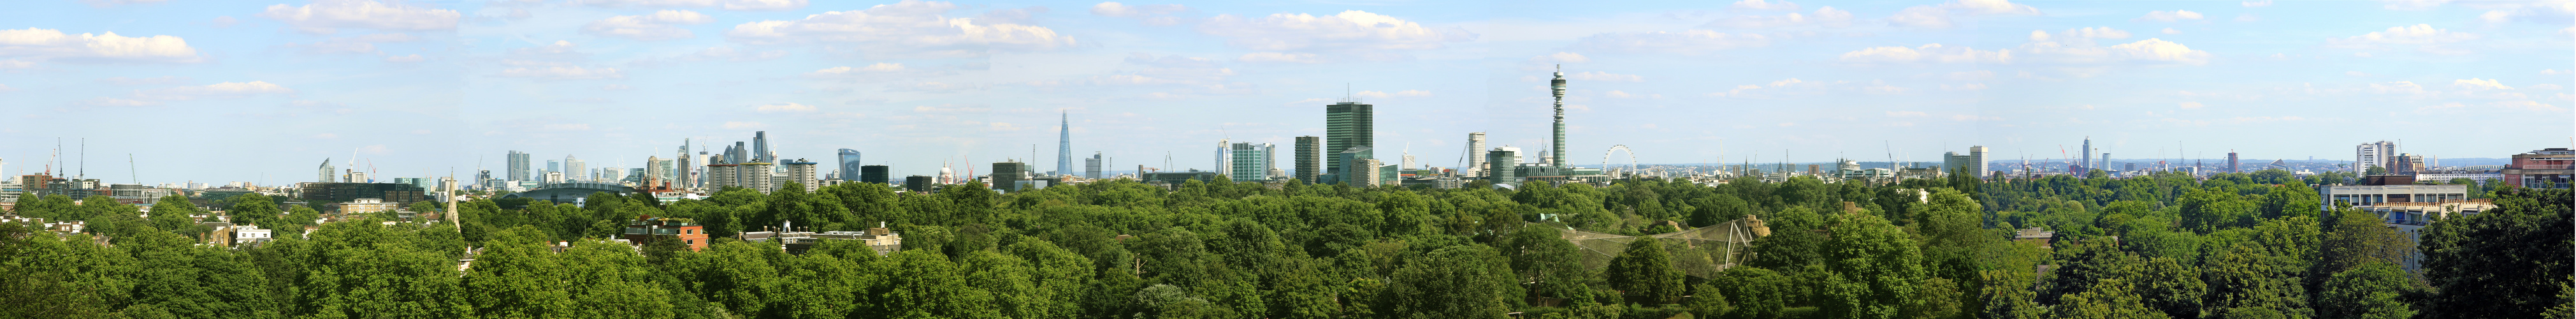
{"type": "Point", "coordinates": [1499, 164]}
{"type": "Point", "coordinates": [575, 169]}
{"type": "Point", "coordinates": [2086, 153]}
{"type": "Point", "coordinates": [551, 166]}
{"type": "Point", "coordinates": [1348, 126]}
{"type": "Point", "coordinates": [327, 173]}
{"type": "Point", "coordinates": [518, 170]}
{"type": "Point", "coordinates": [1006, 175]}
{"type": "Point", "coordinates": [1977, 159]}
{"type": "Point", "coordinates": [1310, 158]}
{"type": "Point", "coordinates": [1475, 162]}
{"type": "Point", "coordinates": [683, 169]}
{"type": "Point", "coordinates": [872, 174]}
{"type": "Point", "coordinates": [1557, 87]}
{"type": "Point", "coordinates": [2231, 161]}
{"type": "Point", "coordinates": [1250, 162]}
{"type": "Point", "coordinates": [850, 165]}
{"type": "Point", "coordinates": [1091, 166]}
{"type": "Point", "coordinates": [760, 148]}
{"type": "Point", "coordinates": [1064, 145]}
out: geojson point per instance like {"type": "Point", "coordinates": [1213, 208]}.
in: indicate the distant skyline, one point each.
{"type": "Point", "coordinates": [217, 91]}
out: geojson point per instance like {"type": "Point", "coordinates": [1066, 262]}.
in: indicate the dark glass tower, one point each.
{"type": "Point", "coordinates": [849, 165]}
{"type": "Point", "coordinates": [1349, 125]}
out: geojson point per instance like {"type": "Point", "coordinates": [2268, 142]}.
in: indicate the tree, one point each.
{"type": "Point", "coordinates": [2107, 299]}
{"type": "Point", "coordinates": [1645, 271]}
{"type": "Point", "coordinates": [1755, 293]}
{"type": "Point", "coordinates": [1454, 282]}
{"type": "Point", "coordinates": [1705, 301]}
{"type": "Point", "coordinates": [2373, 291]}
{"type": "Point", "coordinates": [2503, 263]}
{"type": "Point", "coordinates": [1881, 263]}
{"type": "Point", "coordinates": [2354, 238]}
{"type": "Point", "coordinates": [2245, 280]}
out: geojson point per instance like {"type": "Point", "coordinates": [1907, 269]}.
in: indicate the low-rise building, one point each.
{"type": "Point", "coordinates": [367, 205]}
{"type": "Point", "coordinates": [643, 231]}
{"type": "Point", "coordinates": [2544, 168]}
{"type": "Point", "coordinates": [2372, 195]}
{"type": "Point", "coordinates": [883, 240]}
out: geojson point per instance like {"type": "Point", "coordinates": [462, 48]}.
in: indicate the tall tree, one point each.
{"type": "Point", "coordinates": [1645, 271]}
{"type": "Point", "coordinates": [2505, 263]}
{"type": "Point", "coordinates": [1881, 262]}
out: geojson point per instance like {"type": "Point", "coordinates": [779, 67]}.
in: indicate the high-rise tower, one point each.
{"type": "Point", "coordinates": [326, 175]}
{"type": "Point", "coordinates": [1557, 87]}
{"type": "Point", "coordinates": [1475, 161]}
{"type": "Point", "coordinates": [1064, 144]}
{"type": "Point", "coordinates": [849, 165]}
{"type": "Point", "coordinates": [2087, 153]}
{"type": "Point", "coordinates": [1310, 158]}
{"type": "Point", "coordinates": [682, 172]}
{"type": "Point", "coordinates": [1349, 125]}
{"type": "Point", "coordinates": [760, 148]}
{"type": "Point", "coordinates": [518, 166]}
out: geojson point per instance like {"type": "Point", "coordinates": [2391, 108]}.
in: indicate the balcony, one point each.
{"type": "Point", "coordinates": [2544, 166]}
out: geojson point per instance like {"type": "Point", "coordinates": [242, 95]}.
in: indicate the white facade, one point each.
{"type": "Point", "coordinates": [2376, 154]}
{"type": "Point", "coordinates": [2373, 195]}
{"type": "Point", "coordinates": [1249, 162]}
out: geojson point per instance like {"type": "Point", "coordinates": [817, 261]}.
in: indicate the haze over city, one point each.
{"type": "Point", "coordinates": [216, 91]}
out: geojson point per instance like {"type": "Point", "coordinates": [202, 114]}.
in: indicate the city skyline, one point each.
{"type": "Point", "coordinates": [233, 91]}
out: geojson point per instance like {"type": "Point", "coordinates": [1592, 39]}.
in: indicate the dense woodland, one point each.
{"type": "Point", "coordinates": [2229, 246]}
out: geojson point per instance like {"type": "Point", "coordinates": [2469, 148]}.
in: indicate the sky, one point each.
{"type": "Point", "coordinates": [263, 91]}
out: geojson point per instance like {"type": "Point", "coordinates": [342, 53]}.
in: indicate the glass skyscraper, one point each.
{"type": "Point", "coordinates": [850, 165]}
{"type": "Point", "coordinates": [1251, 162]}
{"type": "Point", "coordinates": [1349, 126]}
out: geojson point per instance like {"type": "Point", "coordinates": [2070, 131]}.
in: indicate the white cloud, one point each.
{"type": "Point", "coordinates": [2256, 4]}
{"type": "Point", "coordinates": [1791, 86]}
{"type": "Point", "coordinates": [749, 5]}
{"type": "Point", "coordinates": [2479, 84]}
{"type": "Point", "coordinates": [1978, 75]}
{"type": "Point", "coordinates": [49, 44]}
{"type": "Point", "coordinates": [2079, 34]}
{"type": "Point", "coordinates": [1689, 42]}
{"type": "Point", "coordinates": [2410, 35]}
{"type": "Point", "coordinates": [661, 25]}
{"type": "Point", "coordinates": [6, 88]}
{"type": "Point", "coordinates": [785, 107]}
{"type": "Point", "coordinates": [2192, 105]}
{"type": "Point", "coordinates": [2399, 87]}
{"type": "Point", "coordinates": [217, 90]}
{"type": "Point", "coordinates": [2412, 5]}
{"type": "Point", "coordinates": [1764, 5]}
{"type": "Point", "coordinates": [734, 125]}
{"type": "Point", "coordinates": [2172, 31]}
{"type": "Point", "coordinates": [2076, 46]}
{"type": "Point", "coordinates": [109, 101]}
{"type": "Point", "coordinates": [564, 73]}
{"type": "Point", "coordinates": [326, 16]}
{"type": "Point", "coordinates": [2551, 72]}
{"type": "Point", "coordinates": [908, 27]}
{"type": "Point", "coordinates": [1826, 16]}
{"type": "Point", "coordinates": [1939, 16]}
{"type": "Point", "coordinates": [2159, 50]}
{"type": "Point", "coordinates": [1934, 53]}
{"type": "Point", "coordinates": [16, 64]}
{"type": "Point", "coordinates": [2169, 16]}
{"type": "Point", "coordinates": [1349, 30]}
{"type": "Point", "coordinates": [1278, 57]}
{"type": "Point", "coordinates": [850, 71]}
{"type": "Point", "coordinates": [405, 58]}
{"type": "Point", "coordinates": [2542, 12]}
{"type": "Point", "coordinates": [1561, 57]}
{"type": "Point", "coordinates": [165, 80]}
{"type": "Point", "coordinates": [1114, 9]}
{"type": "Point", "coordinates": [112, 3]}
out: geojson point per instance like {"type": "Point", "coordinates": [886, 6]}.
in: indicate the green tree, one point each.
{"type": "Point", "coordinates": [1645, 271]}
{"type": "Point", "coordinates": [2505, 263]}
{"type": "Point", "coordinates": [2107, 299]}
{"type": "Point", "coordinates": [2374, 291]}
{"type": "Point", "coordinates": [2246, 281]}
{"type": "Point", "coordinates": [1881, 264]}
{"type": "Point", "coordinates": [250, 208]}
{"type": "Point", "coordinates": [1452, 282]}
{"type": "Point", "coordinates": [1755, 293]}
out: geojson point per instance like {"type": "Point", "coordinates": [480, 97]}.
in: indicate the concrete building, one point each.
{"type": "Point", "coordinates": [367, 205]}
{"type": "Point", "coordinates": [554, 177]}
{"type": "Point", "coordinates": [2407, 163]}
{"type": "Point", "coordinates": [1475, 162]}
{"type": "Point", "coordinates": [328, 174]}
{"type": "Point", "coordinates": [801, 172]}
{"type": "Point", "coordinates": [2543, 168]}
{"type": "Point", "coordinates": [1091, 166]}
{"type": "Point", "coordinates": [2410, 219]}
{"type": "Point", "coordinates": [576, 169]}
{"type": "Point", "coordinates": [1310, 159]}
{"type": "Point", "coordinates": [2372, 195]}
{"type": "Point", "coordinates": [2374, 154]}
{"type": "Point", "coordinates": [1250, 162]}
{"type": "Point", "coordinates": [518, 170]}
{"type": "Point", "coordinates": [1349, 127]}
{"type": "Point", "coordinates": [643, 231]}
{"type": "Point", "coordinates": [1348, 160]}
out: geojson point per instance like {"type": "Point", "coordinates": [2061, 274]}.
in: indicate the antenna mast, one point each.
{"type": "Point", "coordinates": [130, 171]}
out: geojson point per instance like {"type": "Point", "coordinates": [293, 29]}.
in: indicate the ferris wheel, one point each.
{"type": "Point", "coordinates": [1613, 172]}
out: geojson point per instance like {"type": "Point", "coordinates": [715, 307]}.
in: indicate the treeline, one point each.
{"type": "Point", "coordinates": [2231, 246]}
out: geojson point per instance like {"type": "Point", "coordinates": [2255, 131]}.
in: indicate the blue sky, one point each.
{"type": "Point", "coordinates": [215, 91]}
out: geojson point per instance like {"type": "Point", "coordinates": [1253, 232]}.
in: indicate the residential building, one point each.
{"type": "Point", "coordinates": [2406, 163]}
{"type": "Point", "coordinates": [2374, 154]}
{"type": "Point", "coordinates": [800, 172]}
{"type": "Point", "coordinates": [645, 230]}
{"type": "Point", "coordinates": [518, 170]}
{"type": "Point", "coordinates": [2544, 168]}
{"type": "Point", "coordinates": [367, 205]}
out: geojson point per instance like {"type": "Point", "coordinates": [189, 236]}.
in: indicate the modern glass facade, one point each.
{"type": "Point", "coordinates": [1310, 158]}
{"type": "Point", "coordinates": [1349, 126]}
{"type": "Point", "coordinates": [1251, 162]}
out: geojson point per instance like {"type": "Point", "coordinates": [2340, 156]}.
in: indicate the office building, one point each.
{"type": "Point", "coordinates": [1250, 162]}
{"type": "Point", "coordinates": [872, 174]}
{"type": "Point", "coordinates": [2231, 162]}
{"type": "Point", "coordinates": [1091, 166]}
{"type": "Point", "coordinates": [849, 165]}
{"type": "Point", "coordinates": [553, 178]}
{"type": "Point", "coordinates": [609, 175]}
{"type": "Point", "coordinates": [1500, 163]}
{"type": "Point", "coordinates": [2374, 154]}
{"type": "Point", "coordinates": [760, 148]}
{"type": "Point", "coordinates": [332, 195]}
{"type": "Point", "coordinates": [1007, 175]}
{"type": "Point", "coordinates": [2087, 154]}
{"type": "Point", "coordinates": [2407, 163]}
{"type": "Point", "coordinates": [554, 166]}
{"type": "Point", "coordinates": [2544, 168]}
{"type": "Point", "coordinates": [916, 183]}
{"type": "Point", "coordinates": [328, 174]}
{"type": "Point", "coordinates": [1349, 160]}
{"type": "Point", "coordinates": [1349, 126]}
{"type": "Point", "coordinates": [683, 170]}
{"type": "Point", "coordinates": [1310, 158]}
{"type": "Point", "coordinates": [575, 169]}
{"type": "Point", "coordinates": [656, 171]}
{"type": "Point", "coordinates": [1224, 157]}
{"type": "Point", "coordinates": [1475, 162]}
{"type": "Point", "coordinates": [1064, 145]}
{"type": "Point", "coordinates": [1367, 172]}
{"type": "Point", "coordinates": [518, 169]}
